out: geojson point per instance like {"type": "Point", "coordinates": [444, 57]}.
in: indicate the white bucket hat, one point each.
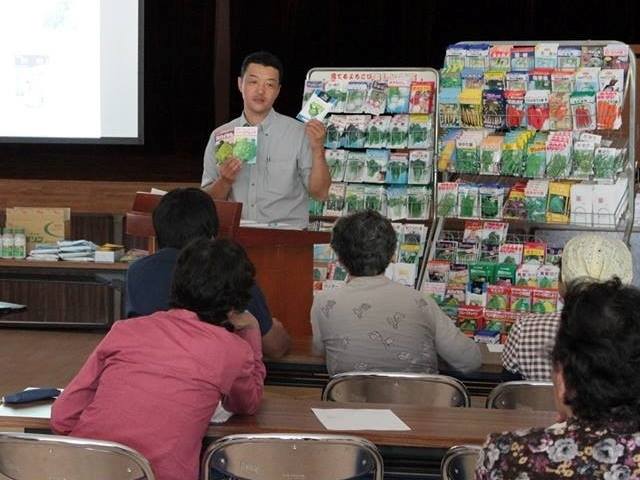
{"type": "Point", "coordinates": [597, 258]}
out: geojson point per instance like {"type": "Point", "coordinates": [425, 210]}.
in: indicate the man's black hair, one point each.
{"type": "Point", "coordinates": [182, 215]}
{"type": "Point", "coordinates": [266, 59]}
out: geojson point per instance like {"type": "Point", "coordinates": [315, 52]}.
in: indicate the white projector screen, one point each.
{"type": "Point", "coordinates": [71, 71]}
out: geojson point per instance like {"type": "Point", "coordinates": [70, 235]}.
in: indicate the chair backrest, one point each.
{"type": "Point", "coordinates": [459, 462]}
{"type": "Point", "coordinates": [292, 456]}
{"type": "Point", "coordinates": [522, 395]}
{"type": "Point", "coordinates": [391, 387]}
{"type": "Point", "coordinates": [25, 456]}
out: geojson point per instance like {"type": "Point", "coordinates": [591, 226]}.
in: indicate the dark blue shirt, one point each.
{"type": "Point", "coordinates": [149, 287]}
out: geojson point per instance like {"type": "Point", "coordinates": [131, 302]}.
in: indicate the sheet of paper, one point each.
{"type": "Point", "coordinates": [495, 347]}
{"type": "Point", "coordinates": [359, 419]}
{"type": "Point", "coordinates": [11, 306]}
{"type": "Point", "coordinates": [220, 415]}
{"type": "Point", "coordinates": [27, 410]}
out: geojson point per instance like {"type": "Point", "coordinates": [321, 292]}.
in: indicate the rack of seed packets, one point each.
{"type": "Point", "coordinates": [484, 278]}
{"type": "Point", "coordinates": [379, 148]}
{"type": "Point", "coordinates": [536, 132]}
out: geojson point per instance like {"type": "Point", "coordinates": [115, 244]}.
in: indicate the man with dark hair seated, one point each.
{"type": "Point", "coordinates": [596, 376]}
{"type": "Point", "coordinates": [373, 323]}
{"type": "Point", "coordinates": [182, 215]}
{"type": "Point", "coordinates": [154, 382]}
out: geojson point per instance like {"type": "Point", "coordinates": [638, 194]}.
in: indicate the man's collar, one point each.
{"type": "Point", "coordinates": [265, 124]}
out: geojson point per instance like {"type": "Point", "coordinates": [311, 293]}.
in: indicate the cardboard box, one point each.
{"type": "Point", "coordinates": [42, 225]}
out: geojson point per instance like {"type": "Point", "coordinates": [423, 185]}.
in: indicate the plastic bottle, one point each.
{"type": "Point", "coordinates": [19, 244]}
{"type": "Point", "coordinates": [7, 243]}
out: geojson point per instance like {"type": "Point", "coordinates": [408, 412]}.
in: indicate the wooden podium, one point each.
{"type": "Point", "coordinates": [284, 270]}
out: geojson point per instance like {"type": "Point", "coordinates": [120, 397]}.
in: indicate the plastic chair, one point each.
{"type": "Point", "coordinates": [26, 456]}
{"type": "Point", "coordinates": [274, 456]}
{"type": "Point", "coordinates": [459, 462]}
{"type": "Point", "coordinates": [522, 395]}
{"type": "Point", "coordinates": [391, 387]}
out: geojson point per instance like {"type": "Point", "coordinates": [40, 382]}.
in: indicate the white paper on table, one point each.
{"type": "Point", "coordinates": [495, 347]}
{"type": "Point", "coordinates": [359, 419]}
{"type": "Point", "coordinates": [220, 415]}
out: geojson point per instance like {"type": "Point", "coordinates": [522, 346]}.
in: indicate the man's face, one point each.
{"type": "Point", "coordinates": [260, 87]}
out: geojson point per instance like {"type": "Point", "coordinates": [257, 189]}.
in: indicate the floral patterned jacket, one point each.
{"type": "Point", "coordinates": [574, 449]}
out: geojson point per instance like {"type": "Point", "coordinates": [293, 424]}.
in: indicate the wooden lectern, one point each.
{"type": "Point", "coordinates": [283, 258]}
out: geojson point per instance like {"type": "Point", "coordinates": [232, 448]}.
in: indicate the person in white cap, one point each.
{"type": "Point", "coordinates": [586, 257]}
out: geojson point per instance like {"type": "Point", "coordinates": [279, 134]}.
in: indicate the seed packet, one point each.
{"type": "Point", "coordinates": [334, 205]}
{"type": "Point", "coordinates": [546, 55]}
{"type": "Point", "coordinates": [515, 206]}
{"type": "Point", "coordinates": [476, 293]}
{"type": "Point", "coordinates": [355, 132]}
{"type": "Point", "coordinates": [468, 201]}
{"type": "Point", "coordinates": [450, 77]}
{"type": "Point", "coordinates": [224, 146]}
{"type": "Point", "coordinates": [490, 152]}
{"type": "Point", "coordinates": [491, 200]}
{"type": "Point", "coordinates": [534, 253]}
{"type": "Point", "coordinates": [354, 199]}
{"type": "Point", "coordinates": [336, 125]}
{"type": "Point", "coordinates": [356, 96]}
{"type": "Point", "coordinates": [322, 252]}
{"type": "Point", "coordinates": [446, 250]}
{"type": "Point", "coordinates": [554, 256]}
{"type": "Point", "coordinates": [536, 163]}
{"type": "Point", "coordinates": [310, 86]}
{"type": "Point", "coordinates": [376, 99]}
{"type": "Point", "coordinates": [494, 80]}
{"type": "Point", "coordinates": [517, 81]}
{"type": "Point", "coordinates": [447, 199]}
{"type": "Point", "coordinates": [609, 110]}
{"type": "Point", "coordinates": [498, 297]}
{"type": "Point", "coordinates": [316, 107]}
{"type": "Point", "coordinates": [616, 55]}
{"type": "Point", "coordinates": [472, 77]}
{"type": "Point", "coordinates": [449, 107]}
{"type": "Point", "coordinates": [415, 234]}
{"type": "Point", "coordinates": [562, 81]}
{"type": "Point", "coordinates": [543, 301]}
{"type": "Point", "coordinates": [470, 319]}
{"type": "Point", "coordinates": [398, 94]}
{"type": "Point", "coordinates": [418, 203]}
{"type": "Point", "coordinates": [511, 253]}
{"type": "Point", "coordinates": [245, 146]}
{"type": "Point", "coordinates": [605, 163]}
{"type": "Point", "coordinates": [421, 97]}
{"type": "Point", "coordinates": [337, 89]}
{"type": "Point", "coordinates": [506, 274]}
{"type": "Point", "coordinates": [468, 152]}
{"type": "Point", "coordinates": [494, 233]}
{"type": "Point", "coordinates": [438, 271]}
{"type": "Point", "coordinates": [482, 272]}
{"type": "Point", "coordinates": [454, 55]}
{"type": "Point", "coordinates": [398, 131]}
{"type": "Point", "coordinates": [467, 253]}
{"type": "Point", "coordinates": [336, 161]}
{"type": "Point", "coordinates": [405, 273]}
{"type": "Point", "coordinates": [515, 108]}
{"type": "Point", "coordinates": [420, 167]}
{"type": "Point", "coordinates": [356, 162]}
{"type": "Point", "coordinates": [536, 200]}
{"type": "Point", "coordinates": [436, 291]}
{"type": "Point", "coordinates": [453, 300]}
{"type": "Point", "coordinates": [611, 79]}
{"type": "Point", "coordinates": [583, 110]}
{"type": "Point", "coordinates": [376, 165]}
{"type": "Point", "coordinates": [375, 198]}
{"type": "Point", "coordinates": [471, 107]}
{"type": "Point", "coordinates": [378, 132]}
{"type": "Point", "coordinates": [537, 102]}
{"type": "Point", "coordinates": [569, 57]}
{"type": "Point", "coordinates": [522, 58]}
{"type": "Point", "coordinates": [396, 202]}
{"type": "Point", "coordinates": [409, 253]}
{"type": "Point", "coordinates": [592, 56]}
{"type": "Point", "coordinates": [520, 300]}
{"type": "Point", "coordinates": [558, 150]}
{"type": "Point", "coordinates": [548, 276]}
{"type": "Point", "coordinates": [540, 79]}
{"type": "Point", "coordinates": [497, 320]}
{"type": "Point", "coordinates": [397, 168]}
{"type": "Point", "coordinates": [477, 56]}
{"type": "Point", "coordinates": [558, 202]}
{"type": "Point", "coordinates": [500, 57]}
{"type": "Point", "coordinates": [472, 231]}
{"type": "Point", "coordinates": [587, 79]}
{"type": "Point", "coordinates": [459, 276]}
{"type": "Point", "coordinates": [489, 253]}
{"type": "Point", "coordinates": [493, 109]}
{"type": "Point", "coordinates": [560, 117]}
{"type": "Point", "coordinates": [420, 131]}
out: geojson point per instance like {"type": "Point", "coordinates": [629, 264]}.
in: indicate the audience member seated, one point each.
{"type": "Point", "coordinates": [182, 215]}
{"type": "Point", "coordinates": [586, 256]}
{"type": "Point", "coordinates": [373, 323]}
{"type": "Point", "coordinates": [154, 382]}
{"type": "Point", "coordinates": [596, 376]}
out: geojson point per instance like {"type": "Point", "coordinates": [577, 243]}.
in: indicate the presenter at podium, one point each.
{"type": "Point", "coordinates": [290, 164]}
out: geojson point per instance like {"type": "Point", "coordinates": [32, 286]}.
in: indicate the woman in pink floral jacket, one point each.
{"type": "Point", "coordinates": [597, 386]}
